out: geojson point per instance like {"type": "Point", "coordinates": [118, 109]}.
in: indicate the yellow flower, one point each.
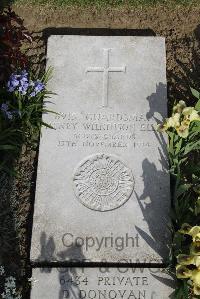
{"type": "Point", "coordinates": [191, 114]}
{"type": "Point", "coordinates": [185, 228]}
{"type": "Point", "coordinates": [194, 116]}
{"type": "Point", "coordinates": [185, 122]}
{"type": "Point", "coordinates": [196, 290]}
{"type": "Point", "coordinates": [162, 127]}
{"type": "Point", "coordinates": [187, 110]}
{"type": "Point", "coordinates": [174, 121]}
{"type": "Point", "coordinates": [195, 248]}
{"type": "Point", "coordinates": [180, 112]}
{"type": "Point", "coordinates": [179, 107]}
{"type": "Point", "coordinates": [183, 130]}
{"type": "Point", "coordinates": [182, 272]}
{"type": "Point", "coordinates": [196, 280]}
{"type": "Point", "coordinates": [197, 261]}
{"type": "Point", "coordinates": [195, 232]}
{"type": "Point", "coordinates": [185, 260]}
{"type": "Point", "coordinates": [197, 238]}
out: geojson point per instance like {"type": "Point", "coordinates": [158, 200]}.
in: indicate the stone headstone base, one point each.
{"type": "Point", "coordinates": [101, 283]}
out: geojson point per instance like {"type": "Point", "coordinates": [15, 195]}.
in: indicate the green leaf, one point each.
{"type": "Point", "coordinates": [197, 106]}
{"type": "Point", "coordinates": [195, 93]}
{"type": "Point", "coordinates": [178, 146]}
{"type": "Point", "coordinates": [48, 75]}
{"type": "Point", "coordinates": [47, 125]}
{"type": "Point", "coordinates": [171, 142]}
{"type": "Point", "coordinates": [186, 290]}
{"type": "Point", "coordinates": [182, 189]}
{"type": "Point", "coordinates": [8, 147]}
{"type": "Point", "coordinates": [192, 146]}
{"type": "Point", "coordinates": [50, 111]}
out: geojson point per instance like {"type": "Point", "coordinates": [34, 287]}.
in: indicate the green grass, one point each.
{"type": "Point", "coordinates": [107, 3]}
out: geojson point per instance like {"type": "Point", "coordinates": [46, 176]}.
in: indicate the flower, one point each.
{"type": "Point", "coordinates": [174, 121]}
{"type": "Point", "coordinates": [10, 282]}
{"type": "Point", "coordinates": [187, 110]}
{"type": "Point", "coordinates": [193, 231]}
{"type": "Point", "coordinates": [162, 127]}
{"type": "Point", "coordinates": [180, 120]}
{"type": "Point", "coordinates": [13, 82]}
{"type": "Point", "coordinates": [196, 281]}
{"type": "Point", "coordinates": [4, 108]}
{"type": "Point", "coordinates": [38, 86]}
{"type": "Point", "coordinates": [183, 131]}
{"type": "Point", "coordinates": [18, 82]}
{"type": "Point", "coordinates": [189, 265]}
{"type": "Point", "coordinates": [179, 107]}
{"type": "Point", "coordinates": [194, 116]}
{"type": "Point", "coordinates": [10, 290]}
{"type": "Point", "coordinates": [183, 272]}
{"type": "Point", "coordinates": [185, 260]}
{"type": "Point", "coordinates": [195, 248]}
{"type": "Point", "coordinates": [185, 228]}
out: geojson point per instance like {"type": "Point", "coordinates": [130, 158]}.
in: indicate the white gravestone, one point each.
{"type": "Point", "coordinates": [103, 191]}
{"type": "Point", "coordinates": [101, 283]}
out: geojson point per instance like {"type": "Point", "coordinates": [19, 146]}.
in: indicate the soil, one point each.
{"type": "Point", "coordinates": [180, 25]}
{"type": "Point", "coordinates": [181, 28]}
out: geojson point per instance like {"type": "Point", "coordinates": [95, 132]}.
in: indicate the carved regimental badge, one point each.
{"type": "Point", "coordinates": [103, 182]}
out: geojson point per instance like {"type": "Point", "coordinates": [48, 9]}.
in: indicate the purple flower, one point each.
{"type": "Point", "coordinates": [9, 115]}
{"type": "Point", "coordinates": [38, 87]}
{"type": "Point", "coordinates": [24, 73]}
{"type": "Point", "coordinates": [21, 83]}
{"type": "Point", "coordinates": [23, 80]}
{"type": "Point", "coordinates": [13, 83]}
{"type": "Point", "coordinates": [23, 87]}
{"type": "Point", "coordinates": [4, 109]}
{"type": "Point", "coordinates": [33, 94]}
{"type": "Point", "coordinates": [18, 82]}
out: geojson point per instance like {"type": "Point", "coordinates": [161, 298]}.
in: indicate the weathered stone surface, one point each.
{"type": "Point", "coordinates": [102, 187]}
{"type": "Point", "coordinates": [101, 283]}
{"type": "Point", "coordinates": [103, 182]}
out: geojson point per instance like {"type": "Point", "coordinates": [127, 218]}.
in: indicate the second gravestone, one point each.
{"type": "Point", "coordinates": [103, 191]}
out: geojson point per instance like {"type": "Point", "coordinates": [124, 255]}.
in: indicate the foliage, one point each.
{"type": "Point", "coordinates": [181, 120]}
{"type": "Point", "coordinates": [21, 108]}
{"type": "Point", "coordinates": [13, 34]}
{"type": "Point", "coordinates": [22, 93]}
{"type": "Point", "coordinates": [183, 129]}
{"type": "Point", "coordinates": [8, 286]}
{"type": "Point", "coordinates": [189, 264]}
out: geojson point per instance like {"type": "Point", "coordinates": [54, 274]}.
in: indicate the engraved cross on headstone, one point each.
{"type": "Point", "coordinates": [106, 69]}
